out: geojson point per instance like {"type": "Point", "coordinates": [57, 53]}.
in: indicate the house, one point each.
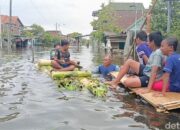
{"type": "Point", "coordinates": [16, 25]}
{"type": "Point", "coordinates": [15, 31]}
{"type": "Point", "coordinates": [54, 33]}
{"type": "Point", "coordinates": [129, 16]}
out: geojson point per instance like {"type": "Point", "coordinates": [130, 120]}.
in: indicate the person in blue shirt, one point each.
{"type": "Point", "coordinates": [142, 48]}
{"type": "Point", "coordinates": [146, 74]}
{"type": "Point", "coordinates": [172, 65]}
{"type": "Point", "coordinates": [106, 67]}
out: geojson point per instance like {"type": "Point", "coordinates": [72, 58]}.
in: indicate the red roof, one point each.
{"type": "Point", "coordinates": [15, 20]}
{"type": "Point", "coordinates": [127, 18]}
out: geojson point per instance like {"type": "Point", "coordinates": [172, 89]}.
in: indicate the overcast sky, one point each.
{"type": "Point", "coordinates": [71, 15]}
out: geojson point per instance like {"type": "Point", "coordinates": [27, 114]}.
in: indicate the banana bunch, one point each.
{"type": "Point", "coordinates": [70, 84]}
{"type": "Point", "coordinates": [96, 87]}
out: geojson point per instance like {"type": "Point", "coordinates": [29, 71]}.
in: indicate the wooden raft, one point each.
{"type": "Point", "coordinates": [161, 104]}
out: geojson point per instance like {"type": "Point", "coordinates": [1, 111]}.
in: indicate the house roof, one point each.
{"type": "Point", "coordinates": [15, 19]}
{"type": "Point", "coordinates": [127, 6]}
{"type": "Point", "coordinates": [54, 32]}
{"type": "Point", "coordinates": [137, 25]}
{"type": "Point", "coordinates": [127, 18]}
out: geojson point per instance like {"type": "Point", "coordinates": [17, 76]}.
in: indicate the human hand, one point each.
{"type": "Point", "coordinates": [159, 94]}
{"type": "Point", "coordinates": [143, 91]}
{"type": "Point", "coordinates": [148, 16]}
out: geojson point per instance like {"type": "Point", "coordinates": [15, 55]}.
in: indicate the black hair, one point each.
{"type": "Point", "coordinates": [64, 42]}
{"type": "Point", "coordinates": [156, 37]}
{"type": "Point", "coordinates": [172, 41]}
{"type": "Point", "coordinates": [57, 44]}
{"type": "Point", "coordinates": [142, 35]}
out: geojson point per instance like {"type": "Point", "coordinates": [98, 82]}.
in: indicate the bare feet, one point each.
{"type": "Point", "coordinates": [112, 84]}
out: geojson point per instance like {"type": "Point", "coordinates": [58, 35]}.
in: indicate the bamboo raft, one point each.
{"type": "Point", "coordinates": [74, 80]}
{"type": "Point", "coordinates": [161, 104]}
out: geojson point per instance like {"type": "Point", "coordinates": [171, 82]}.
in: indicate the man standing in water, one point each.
{"type": "Point", "coordinates": [106, 68]}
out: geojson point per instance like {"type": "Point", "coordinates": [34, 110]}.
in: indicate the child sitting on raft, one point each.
{"type": "Point", "coordinates": [61, 61]}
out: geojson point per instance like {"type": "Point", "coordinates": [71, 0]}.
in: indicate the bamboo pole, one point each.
{"type": "Point", "coordinates": [149, 12]}
{"type": "Point", "coordinates": [0, 31]}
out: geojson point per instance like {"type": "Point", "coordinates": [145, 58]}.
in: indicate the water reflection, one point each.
{"type": "Point", "coordinates": [30, 100]}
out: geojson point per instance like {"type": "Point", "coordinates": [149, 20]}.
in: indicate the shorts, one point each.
{"type": "Point", "coordinates": [64, 65]}
{"type": "Point", "coordinates": [143, 78]}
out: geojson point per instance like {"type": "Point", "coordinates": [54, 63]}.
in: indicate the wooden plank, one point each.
{"type": "Point", "coordinates": [168, 102]}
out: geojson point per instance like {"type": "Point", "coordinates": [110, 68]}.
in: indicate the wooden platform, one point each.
{"type": "Point", "coordinates": [161, 104]}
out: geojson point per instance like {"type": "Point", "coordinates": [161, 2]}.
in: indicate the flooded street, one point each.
{"type": "Point", "coordinates": [30, 100]}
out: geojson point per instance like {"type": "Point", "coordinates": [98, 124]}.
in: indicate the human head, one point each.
{"type": "Point", "coordinates": [154, 40]}
{"type": "Point", "coordinates": [64, 45]}
{"type": "Point", "coordinates": [169, 45]}
{"type": "Point", "coordinates": [141, 37]}
{"type": "Point", "coordinates": [57, 46]}
{"type": "Point", "coordinates": [107, 60]}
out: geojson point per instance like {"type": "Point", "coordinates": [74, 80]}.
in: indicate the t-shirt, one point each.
{"type": "Point", "coordinates": [143, 49]}
{"type": "Point", "coordinates": [101, 69]}
{"type": "Point", "coordinates": [156, 59]}
{"type": "Point", "coordinates": [65, 56]}
{"type": "Point", "coordinates": [172, 66]}
{"type": "Point", "coordinates": [54, 53]}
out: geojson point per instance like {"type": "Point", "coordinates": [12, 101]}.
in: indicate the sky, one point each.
{"type": "Point", "coordinates": [69, 15]}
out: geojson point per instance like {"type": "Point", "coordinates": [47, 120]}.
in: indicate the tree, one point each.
{"type": "Point", "coordinates": [37, 30]}
{"type": "Point", "coordinates": [74, 34]}
{"type": "Point", "coordinates": [175, 30]}
{"type": "Point", "coordinates": [47, 38]}
{"type": "Point", "coordinates": [159, 18]}
{"type": "Point", "coordinates": [106, 21]}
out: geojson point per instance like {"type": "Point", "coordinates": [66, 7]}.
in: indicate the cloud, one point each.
{"type": "Point", "coordinates": [71, 15]}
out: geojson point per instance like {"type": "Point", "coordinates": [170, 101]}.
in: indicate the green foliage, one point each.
{"type": "Point", "coordinates": [74, 34]}
{"type": "Point", "coordinates": [159, 18]}
{"type": "Point", "coordinates": [37, 30]}
{"type": "Point", "coordinates": [34, 31]}
{"type": "Point", "coordinates": [107, 21]}
{"type": "Point", "coordinates": [175, 30]}
{"type": "Point", "coordinates": [47, 38]}
{"type": "Point", "coordinates": [27, 33]}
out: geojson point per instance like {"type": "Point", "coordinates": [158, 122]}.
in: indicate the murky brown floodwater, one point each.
{"type": "Point", "coordinates": [29, 99]}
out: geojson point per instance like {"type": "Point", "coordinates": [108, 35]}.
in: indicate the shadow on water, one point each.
{"type": "Point", "coordinates": [30, 100]}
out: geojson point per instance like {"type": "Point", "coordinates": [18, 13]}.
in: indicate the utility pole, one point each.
{"type": "Point", "coordinates": [0, 31]}
{"type": "Point", "coordinates": [56, 26]}
{"type": "Point", "coordinates": [10, 23]}
{"type": "Point", "coordinates": [169, 15]}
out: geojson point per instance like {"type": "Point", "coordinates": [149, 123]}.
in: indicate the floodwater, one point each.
{"type": "Point", "coordinates": [30, 100]}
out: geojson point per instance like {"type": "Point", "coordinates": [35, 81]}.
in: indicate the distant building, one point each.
{"type": "Point", "coordinates": [54, 33]}
{"type": "Point", "coordinates": [16, 25]}
{"type": "Point", "coordinates": [129, 17]}
{"type": "Point", "coordinates": [16, 29]}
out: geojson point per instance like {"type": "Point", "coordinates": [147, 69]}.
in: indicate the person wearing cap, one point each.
{"type": "Point", "coordinates": [62, 62]}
